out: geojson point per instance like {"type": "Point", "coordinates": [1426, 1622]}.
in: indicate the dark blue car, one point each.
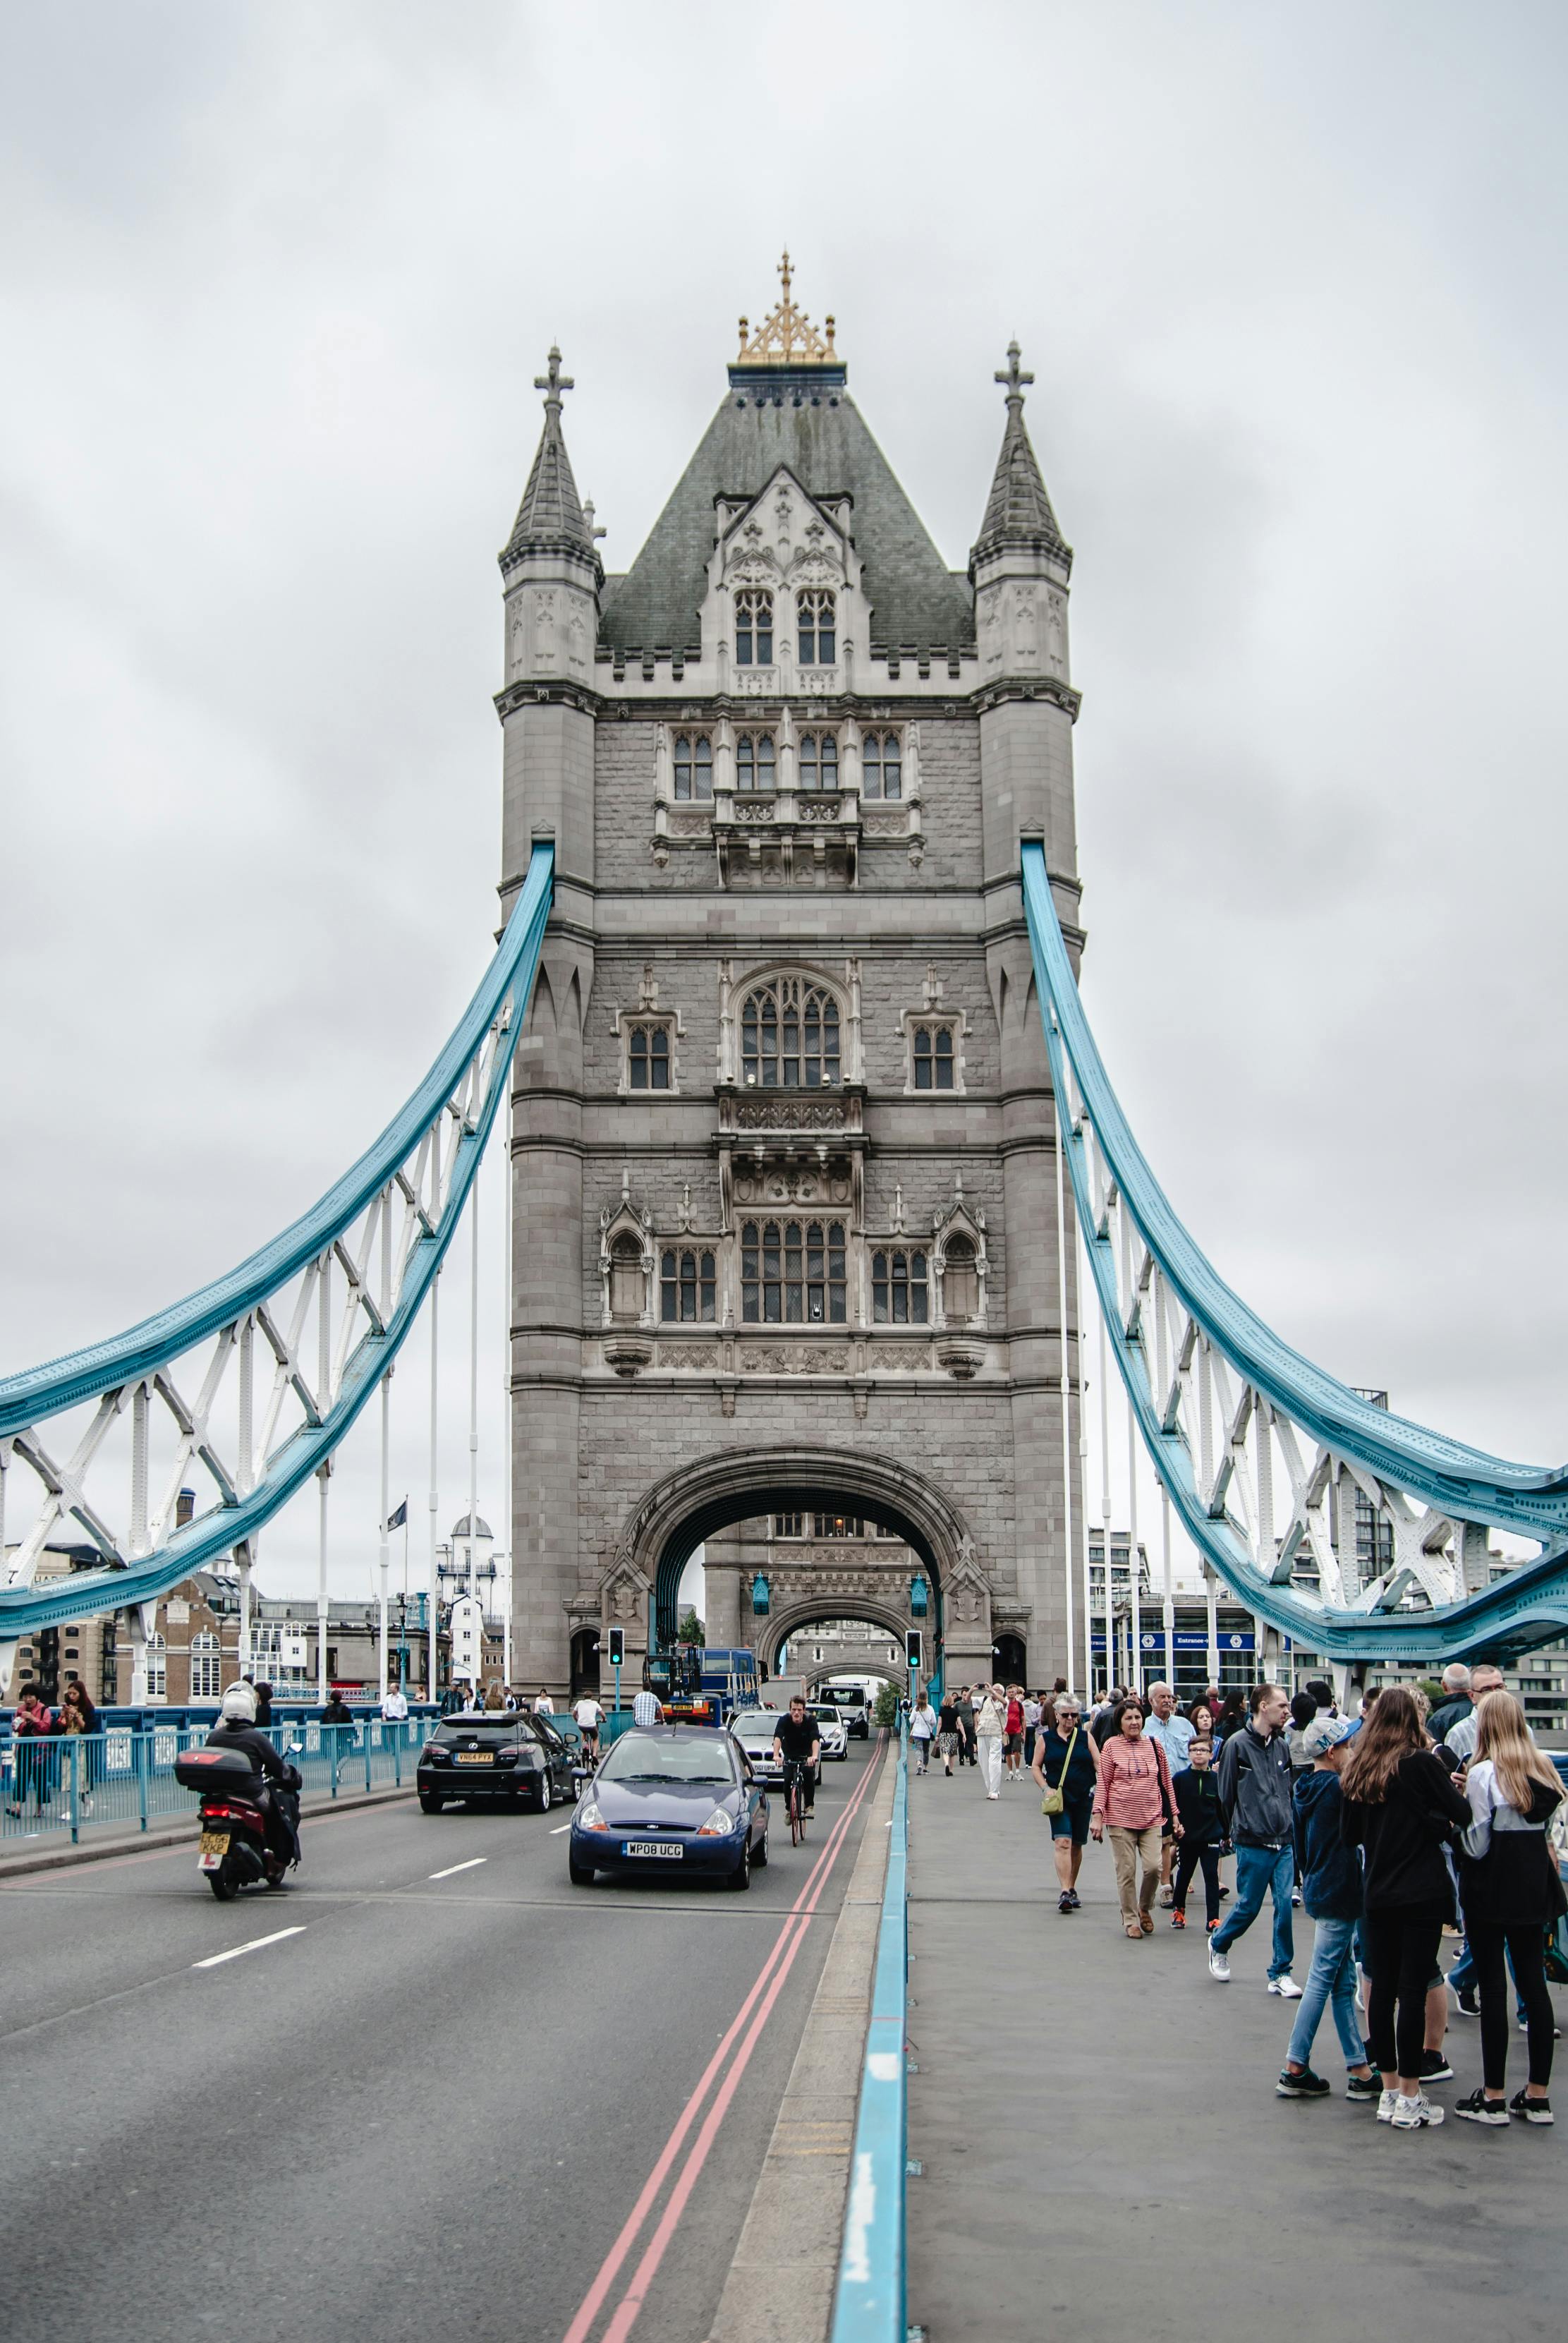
{"type": "Point", "coordinates": [672, 1799]}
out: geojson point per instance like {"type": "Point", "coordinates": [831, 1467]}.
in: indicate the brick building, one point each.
{"type": "Point", "coordinates": [784, 1174]}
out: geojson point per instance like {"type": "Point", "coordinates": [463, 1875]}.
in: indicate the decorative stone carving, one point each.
{"type": "Point", "coordinates": [544, 626]}
{"type": "Point", "coordinates": [795, 1359]}
{"type": "Point", "coordinates": [700, 1358]}
{"type": "Point", "coordinates": [789, 1115]}
{"type": "Point", "coordinates": [627, 1352]}
{"type": "Point", "coordinates": [899, 1359]}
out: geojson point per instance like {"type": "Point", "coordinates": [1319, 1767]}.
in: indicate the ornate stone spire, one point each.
{"type": "Point", "coordinates": [1018, 510]}
{"type": "Point", "coordinates": [551, 515]}
{"type": "Point", "coordinates": [788, 339]}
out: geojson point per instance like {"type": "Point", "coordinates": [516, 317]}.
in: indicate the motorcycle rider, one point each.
{"type": "Point", "coordinates": [236, 1729]}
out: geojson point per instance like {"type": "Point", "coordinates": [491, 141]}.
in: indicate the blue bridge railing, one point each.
{"type": "Point", "coordinates": [870, 2306]}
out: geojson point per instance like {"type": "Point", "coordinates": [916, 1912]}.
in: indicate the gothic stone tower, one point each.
{"type": "Point", "coordinates": [784, 1207]}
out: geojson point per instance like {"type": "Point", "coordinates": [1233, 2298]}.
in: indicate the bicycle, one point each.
{"type": "Point", "coordinates": [795, 1798]}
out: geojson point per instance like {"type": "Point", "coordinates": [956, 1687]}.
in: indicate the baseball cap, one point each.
{"type": "Point", "coordinates": [1323, 1734]}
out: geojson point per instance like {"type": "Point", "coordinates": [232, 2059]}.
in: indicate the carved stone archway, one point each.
{"type": "Point", "coordinates": [698, 1501]}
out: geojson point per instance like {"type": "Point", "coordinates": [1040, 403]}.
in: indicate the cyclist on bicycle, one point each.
{"type": "Point", "coordinates": [797, 1747]}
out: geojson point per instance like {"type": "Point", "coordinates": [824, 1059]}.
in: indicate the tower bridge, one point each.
{"type": "Point", "coordinates": [810, 1142]}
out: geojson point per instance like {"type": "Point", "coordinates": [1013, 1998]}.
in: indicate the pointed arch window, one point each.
{"type": "Point", "coordinates": [790, 1036]}
{"type": "Point", "coordinates": [960, 1282]}
{"type": "Point", "coordinates": [688, 1286]}
{"type": "Point", "coordinates": [756, 761]}
{"type": "Point", "coordinates": [881, 766]}
{"type": "Point", "coordinates": [934, 1056]}
{"type": "Point", "coordinates": [819, 760]}
{"type": "Point", "coordinates": [693, 764]}
{"type": "Point", "coordinates": [816, 626]}
{"type": "Point", "coordinates": [647, 1057]}
{"type": "Point", "coordinates": [792, 1273]}
{"type": "Point", "coordinates": [753, 627]}
{"type": "Point", "coordinates": [626, 1279]}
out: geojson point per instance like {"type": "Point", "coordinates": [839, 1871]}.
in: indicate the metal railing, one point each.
{"type": "Point", "coordinates": [869, 2304]}
{"type": "Point", "coordinates": [72, 1787]}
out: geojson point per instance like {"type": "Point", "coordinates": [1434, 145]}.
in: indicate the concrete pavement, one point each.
{"type": "Point", "coordinates": [437, 2103]}
{"type": "Point", "coordinates": [1104, 2155]}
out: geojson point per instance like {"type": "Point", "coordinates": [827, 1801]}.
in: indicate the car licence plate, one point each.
{"type": "Point", "coordinates": [475, 1757]}
{"type": "Point", "coordinates": [214, 1847]}
{"type": "Point", "coordinates": [672, 1853]}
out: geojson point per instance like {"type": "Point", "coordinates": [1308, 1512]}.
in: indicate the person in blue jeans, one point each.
{"type": "Point", "coordinates": [1331, 1897]}
{"type": "Point", "coordinates": [1255, 1794]}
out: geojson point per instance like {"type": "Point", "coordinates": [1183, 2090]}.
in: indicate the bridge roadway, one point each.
{"type": "Point", "coordinates": [430, 2111]}
{"type": "Point", "coordinates": [1104, 2155]}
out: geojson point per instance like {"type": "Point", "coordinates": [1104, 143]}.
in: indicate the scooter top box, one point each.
{"type": "Point", "coordinates": [213, 1769]}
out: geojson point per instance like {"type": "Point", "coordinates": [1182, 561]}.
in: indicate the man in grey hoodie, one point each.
{"type": "Point", "coordinates": [1255, 1794]}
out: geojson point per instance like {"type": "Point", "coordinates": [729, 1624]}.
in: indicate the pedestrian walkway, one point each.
{"type": "Point", "coordinates": [1103, 2154]}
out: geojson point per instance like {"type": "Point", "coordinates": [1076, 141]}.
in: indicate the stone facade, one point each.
{"type": "Point", "coordinates": [785, 763]}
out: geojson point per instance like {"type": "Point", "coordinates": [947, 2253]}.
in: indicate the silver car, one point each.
{"type": "Point", "coordinates": [834, 1732]}
{"type": "Point", "coordinates": [753, 1729]}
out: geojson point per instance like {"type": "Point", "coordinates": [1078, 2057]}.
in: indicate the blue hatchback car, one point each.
{"type": "Point", "coordinates": [675, 1798]}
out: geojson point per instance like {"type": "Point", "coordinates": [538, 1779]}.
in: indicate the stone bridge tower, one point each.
{"type": "Point", "coordinates": [784, 1232]}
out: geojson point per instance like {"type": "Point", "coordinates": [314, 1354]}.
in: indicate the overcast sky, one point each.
{"type": "Point", "coordinates": [276, 285]}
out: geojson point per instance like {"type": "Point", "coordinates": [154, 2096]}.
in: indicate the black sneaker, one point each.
{"type": "Point", "coordinates": [1064, 1902]}
{"type": "Point", "coordinates": [1468, 1999]}
{"type": "Point", "coordinates": [1073, 1899]}
{"type": "Point", "coordinates": [1364, 2087]}
{"type": "Point", "coordinates": [1434, 2068]}
{"type": "Point", "coordinates": [1476, 2107]}
{"type": "Point", "coordinates": [1536, 2111]}
{"type": "Point", "coordinates": [1304, 2086]}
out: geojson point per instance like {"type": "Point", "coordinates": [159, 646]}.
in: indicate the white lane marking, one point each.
{"type": "Point", "coordinates": [452, 1868]}
{"type": "Point", "coordinates": [558, 1828]}
{"type": "Point", "coordinates": [215, 1960]}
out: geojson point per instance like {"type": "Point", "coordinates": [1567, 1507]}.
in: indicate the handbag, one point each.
{"type": "Point", "coordinates": [1054, 1801]}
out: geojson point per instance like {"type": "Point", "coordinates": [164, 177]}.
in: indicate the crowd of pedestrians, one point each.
{"type": "Point", "coordinates": [1389, 1827]}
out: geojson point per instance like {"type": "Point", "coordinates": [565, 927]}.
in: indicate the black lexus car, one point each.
{"type": "Point", "coordinates": [500, 1756]}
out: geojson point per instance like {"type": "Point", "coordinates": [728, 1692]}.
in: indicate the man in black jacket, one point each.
{"type": "Point", "coordinates": [275, 1779]}
{"type": "Point", "coordinates": [1255, 1795]}
{"type": "Point", "coordinates": [1456, 1701]}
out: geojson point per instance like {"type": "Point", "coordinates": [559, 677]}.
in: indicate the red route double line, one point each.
{"type": "Point", "coordinates": [745, 2030]}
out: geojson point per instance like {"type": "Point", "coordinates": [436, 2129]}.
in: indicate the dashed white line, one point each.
{"type": "Point", "coordinates": [215, 1960]}
{"type": "Point", "coordinates": [472, 1864]}
{"type": "Point", "coordinates": [559, 1829]}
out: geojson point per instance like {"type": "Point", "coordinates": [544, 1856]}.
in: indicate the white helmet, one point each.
{"type": "Point", "coordinates": [239, 1704]}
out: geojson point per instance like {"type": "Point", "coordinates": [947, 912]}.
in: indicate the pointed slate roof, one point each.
{"type": "Point", "coordinates": [809, 423]}
{"type": "Point", "coordinates": [1018, 510]}
{"type": "Point", "coordinates": [551, 515]}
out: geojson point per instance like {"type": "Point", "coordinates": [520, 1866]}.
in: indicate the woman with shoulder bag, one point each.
{"type": "Point", "coordinates": [1065, 1759]}
{"type": "Point", "coordinates": [1402, 1811]}
{"type": "Point", "coordinates": [1512, 1894]}
{"type": "Point", "coordinates": [1132, 1799]}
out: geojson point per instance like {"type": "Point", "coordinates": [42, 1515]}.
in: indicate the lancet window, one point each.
{"type": "Point", "coordinates": [790, 1036]}
{"type": "Point", "coordinates": [819, 760]}
{"type": "Point", "coordinates": [960, 1282]}
{"type": "Point", "coordinates": [900, 1288]}
{"type": "Point", "coordinates": [688, 1286]}
{"type": "Point", "coordinates": [815, 627]}
{"type": "Point", "coordinates": [881, 766]}
{"type": "Point", "coordinates": [756, 761]}
{"type": "Point", "coordinates": [206, 1666]}
{"type": "Point", "coordinates": [792, 1273]}
{"type": "Point", "coordinates": [753, 627]}
{"type": "Point", "coordinates": [693, 764]}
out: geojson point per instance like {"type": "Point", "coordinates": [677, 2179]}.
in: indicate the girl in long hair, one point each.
{"type": "Point", "coordinates": [1512, 1895]}
{"type": "Point", "coordinates": [1401, 1808]}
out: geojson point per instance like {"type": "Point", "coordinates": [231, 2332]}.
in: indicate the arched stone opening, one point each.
{"type": "Point", "coordinates": [700, 1500]}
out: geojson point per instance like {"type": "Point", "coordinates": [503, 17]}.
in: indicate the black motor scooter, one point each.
{"type": "Point", "coordinates": [234, 1851]}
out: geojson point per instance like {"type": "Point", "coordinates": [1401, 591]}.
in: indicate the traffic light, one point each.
{"type": "Point", "coordinates": [912, 1649]}
{"type": "Point", "coordinates": [616, 1646]}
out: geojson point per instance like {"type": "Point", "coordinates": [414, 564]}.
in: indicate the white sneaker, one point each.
{"type": "Point", "coordinates": [1219, 1967]}
{"type": "Point", "coordinates": [1285, 1986]}
{"type": "Point", "coordinates": [1386, 2106]}
{"type": "Point", "coordinates": [993, 1793]}
{"type": "Point", "coordinates": [1411, 2115]}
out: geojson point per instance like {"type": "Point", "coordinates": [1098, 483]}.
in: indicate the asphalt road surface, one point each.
{"type": "Point", "coordinates": [431, 2104]}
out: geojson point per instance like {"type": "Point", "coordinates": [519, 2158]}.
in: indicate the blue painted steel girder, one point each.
{"type": "Point", "coordinates": [1530, 1606]}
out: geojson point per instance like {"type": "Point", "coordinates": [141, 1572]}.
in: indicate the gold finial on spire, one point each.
{"type": "Point", "coordinates": [787, 339]}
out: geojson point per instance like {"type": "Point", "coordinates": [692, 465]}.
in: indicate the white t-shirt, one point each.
{"type": "Point", "coordinates": [544, 1704]}
{"type": "Point", "coordinates": [589, 1715]}
{"type": "Point", "coordinates": [1030, 1714]}
{"type": "Point", "coordinates": [394, 1707]}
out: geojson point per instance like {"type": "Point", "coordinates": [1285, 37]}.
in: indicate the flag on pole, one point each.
{"type": "Point", "coordinates": [400, 1520]}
